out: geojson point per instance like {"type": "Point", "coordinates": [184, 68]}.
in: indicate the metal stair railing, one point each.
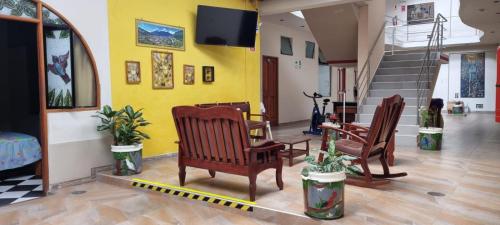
{"type": "Point", "coordinates": [429, 63]}
{"type": "Point", "coordinates": [364, 77]}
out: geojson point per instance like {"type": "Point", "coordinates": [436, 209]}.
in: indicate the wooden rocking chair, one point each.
{"type": "Point", "coordinates": [376, 143]}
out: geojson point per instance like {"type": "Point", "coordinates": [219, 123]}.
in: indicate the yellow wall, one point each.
{"type": "Point", "coordinates": [237, 70]}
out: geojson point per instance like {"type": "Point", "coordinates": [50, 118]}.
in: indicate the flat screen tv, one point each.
{"type": "Point", "coordinates": [222, 26]}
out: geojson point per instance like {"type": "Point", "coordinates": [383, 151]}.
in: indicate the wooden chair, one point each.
{"type": "Point", "coordinates": [244, 107]}
{"type": "Point", "coordinates": [379, 136]}
{"type": "Point", "coordinates": [217, 139]}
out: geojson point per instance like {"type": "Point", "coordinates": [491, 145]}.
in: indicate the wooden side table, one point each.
{"type": "Point", "coordinates": [292, 152]}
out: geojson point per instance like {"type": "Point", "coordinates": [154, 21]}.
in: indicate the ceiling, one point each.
{"type": "Point", "coordinates": [288, 20]}
{"type": "Point", "coordinates": [483, 15]}
{"type": "Point", "coordinates": [271, 7]}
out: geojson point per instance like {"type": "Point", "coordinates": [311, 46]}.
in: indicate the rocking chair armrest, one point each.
{"type": "Point", "coordinates": [350, 126]}
{"type": "Point", "coordinates": [354, 136]}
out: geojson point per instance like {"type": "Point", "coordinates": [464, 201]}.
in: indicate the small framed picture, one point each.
{"type": "Point", "coordinates": [208, 74]}
{"type": "Point", "coordinates": [189, 74]}
{"type": "Point", "coordinates": [133, 69]}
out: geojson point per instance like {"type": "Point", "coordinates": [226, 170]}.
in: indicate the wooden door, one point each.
{"type": "Point", "coordinates": [270, 88]}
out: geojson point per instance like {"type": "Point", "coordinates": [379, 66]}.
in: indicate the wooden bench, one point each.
{"type": "Point", "coordinates": [217, 139]}
{"type": "Point", "coordinates": [292, 152]}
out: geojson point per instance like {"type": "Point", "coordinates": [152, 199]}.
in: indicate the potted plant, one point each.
{"type": "Point", "coordinates": [323, 183]}
{"type": "Point", "coordinates": [429, 134]}
{"type": "Point", "coordinates": [124, 126]}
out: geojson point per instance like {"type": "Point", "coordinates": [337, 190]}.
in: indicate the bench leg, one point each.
{"type": "Point", "coordinates": [290, 156]}
{"type": "Point", "coordinates": [212, 173]}
{"type": "Point", "coordinates": [253, 185]}
{"type": "Point", "coordinates": [182, 175]}
{"type": "Point", "coordinates": [279, 173]}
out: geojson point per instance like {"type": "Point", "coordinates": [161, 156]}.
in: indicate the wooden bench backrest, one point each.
{"type": "Point", "coordinates": [212, 134]}
{"type": "Point", "coordinates": [244, 107]}
{"type": "Point", "coordinates": [384, 123]}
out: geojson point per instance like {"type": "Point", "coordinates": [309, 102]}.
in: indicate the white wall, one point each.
{"type": "Point", "coordinates": [74, 144]}
{"type": "Point", "coordinates": [448, 82]}
{"type": "Point", "coordinates": [293, 105]}
{"type": "Point", "coordinates": [456, 32]}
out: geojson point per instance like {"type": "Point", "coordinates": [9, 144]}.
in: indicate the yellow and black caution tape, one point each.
{"type": "Point", "coordinates": [195, 194]}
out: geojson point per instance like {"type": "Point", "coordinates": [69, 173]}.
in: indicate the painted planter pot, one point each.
{"type": "Point", "coordinates": [430, 138]}
{"type": "Point", "coordinates": [324, 195]}
{"type": "Point", "coordinates": [127, 159]}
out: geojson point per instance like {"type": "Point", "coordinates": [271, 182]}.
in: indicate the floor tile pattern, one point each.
{"type": "Point", "coordinates": [20, 189]}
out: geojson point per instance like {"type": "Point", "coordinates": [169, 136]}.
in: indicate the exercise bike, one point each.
{"type": "Point", "coordinates": [317, 117]}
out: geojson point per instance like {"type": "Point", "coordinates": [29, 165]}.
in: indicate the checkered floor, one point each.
{"type": "Point", "coordinates": [20, 189]}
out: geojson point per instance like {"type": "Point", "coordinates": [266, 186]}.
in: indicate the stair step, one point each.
{"type": "Point", "coordinates": [396, 78]}
{"type": "Point", "coordinates": [401, 63]}
{"type": "Point", "coordinates": [398, 56]}
{"type": "Point", "coordinates": [395, 85]}
{"type": "Point", "coordinates": [370, 109]}
{"type": "Point", "coordinates": [404, 120]}
{"type": "Point", "coordinates": [410, 101]}
{"type": "Point", "coordinates": [389, 92]}
{"type": "Point", "coordinates": [400, 70]}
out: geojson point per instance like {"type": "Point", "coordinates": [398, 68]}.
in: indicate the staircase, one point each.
{"type": "Point", "coordinates": [411, 74]}
{"type": "Point", "coordinates": [398, 73]}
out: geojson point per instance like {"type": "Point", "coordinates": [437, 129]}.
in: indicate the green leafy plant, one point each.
{"type": "Point", "coordinates": [332, 162]}
{"type": "Point", "coordinates": [123, 124]}
{"type": "Point", "coordinates": [425, 118]}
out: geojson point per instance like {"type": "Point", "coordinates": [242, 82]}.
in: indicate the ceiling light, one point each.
{"type": "Point", "coordinates": [298, 14]}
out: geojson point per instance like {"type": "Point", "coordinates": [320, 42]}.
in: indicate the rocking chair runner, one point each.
{"type": "Point", "coordinates": [217, 139]}
{"type": "Point", "coordinates": [376, 143]}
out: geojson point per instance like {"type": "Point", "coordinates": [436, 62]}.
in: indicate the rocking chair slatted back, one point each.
{"type": "Point", "coordinates": [384, 123]}
{"type": "Point", "coordinates": [212, 134]}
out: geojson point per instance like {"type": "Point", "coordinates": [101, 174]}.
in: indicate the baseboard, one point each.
{"type": "Point", "coordinates": [94, 171]}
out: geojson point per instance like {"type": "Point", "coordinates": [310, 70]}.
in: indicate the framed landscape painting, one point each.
{"type": "Point", "coordinates": [157, 35]}
{"type": "Point", "coordinates": [163, 70]}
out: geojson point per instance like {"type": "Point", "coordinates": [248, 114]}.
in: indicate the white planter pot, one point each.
{"type": "Point", "coordinates": [128, 159]}
{"type": "Point", "coordinates": [324, 194]}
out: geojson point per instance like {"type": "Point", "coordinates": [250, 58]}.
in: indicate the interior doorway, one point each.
{"type": "Point", "coordinates": [20, 118]}
{"type": "Point", "coordinates": [270, 88]}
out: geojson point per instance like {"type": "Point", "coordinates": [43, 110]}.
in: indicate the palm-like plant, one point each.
{"type": "Point", "coordinates": [332, 162]}
{"type": "Point", "coordinates": [123, 124]}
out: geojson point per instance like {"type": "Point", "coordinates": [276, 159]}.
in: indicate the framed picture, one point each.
{"type": "Point", "coordinates": [208, 74]}
{"type": "Point", "coordinates": [420, 13]}
{"type": "Point", "coordinates": [188, 74]}
{"type": "Point", "coordinates": [133, 71]}
{"type": "Point", "coordinates": [59, 68]}
{"type": "Point", "coordinates": [163, 70]}
{"type": "Point", "coordinates": [472, 75]}
{"type": "Point", "coordinates": [157, 35]}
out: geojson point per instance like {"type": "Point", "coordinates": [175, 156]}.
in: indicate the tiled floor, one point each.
{"type": "Point", "coordinates": [467, 171]}
{"type": "Point", "coordinates": [20, 189]}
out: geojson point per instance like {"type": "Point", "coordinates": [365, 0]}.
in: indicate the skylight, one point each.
{"type": "Point", "coordinates": [298, 14]}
